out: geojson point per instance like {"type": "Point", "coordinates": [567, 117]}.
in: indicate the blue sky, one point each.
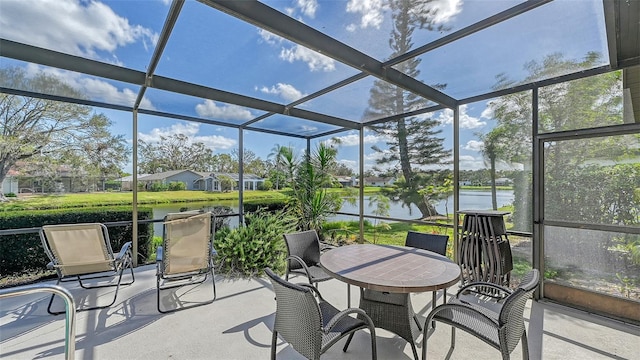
{"type": "Point", "coordinates": [210, 48]}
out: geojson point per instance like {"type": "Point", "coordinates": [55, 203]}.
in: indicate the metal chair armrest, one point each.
{"type": "Point", "coordinates": [159, 254]}
{"type": "Point", "coordinates": [123, 251]}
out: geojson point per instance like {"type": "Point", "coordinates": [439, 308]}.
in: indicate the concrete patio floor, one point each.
{"type": "Point", "coordinates": [238, 326]}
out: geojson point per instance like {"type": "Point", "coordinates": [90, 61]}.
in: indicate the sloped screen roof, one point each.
{"type": "Point", "coordinates": [303, 68]}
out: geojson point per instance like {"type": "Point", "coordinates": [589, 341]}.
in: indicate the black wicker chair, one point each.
{"type": "Point", "coordinates": [304, 256]}
{"type": "Point", "coordinates": [499, 322]}
{"type": "Point", "coordinates": [312, 326]}
{"type": "Point", "coordinates": [432, 242]}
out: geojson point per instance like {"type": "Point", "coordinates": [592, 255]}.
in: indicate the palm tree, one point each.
{"type": "Point", "coordinates": [283, 155]}
{"type": "Point", "coordinates": [493, 149]}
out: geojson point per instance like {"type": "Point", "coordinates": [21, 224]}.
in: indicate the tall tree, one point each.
{"type": "Point", "coordinates": [174, 152]}
{"type": "Point", "coordinates": [31, 127]}
{"type": "Point", "coordinates": [412, 141]}
{"type": "Point", "coordinates": [586, 103]}
{"type": "Point", "coordinates": [493, 149]}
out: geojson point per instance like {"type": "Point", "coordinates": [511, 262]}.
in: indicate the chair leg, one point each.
{"type": "Point", "coordinates": [425, 338]}
{"type": "Point", "coordinates": [415, 352]}
{"type": "Point", "coordinates": [374, 349]}
{"type": "Point", "coordinates": [274, 340]}
{"type": "Point", "coordinates": [51, 302]}
{"type": "Point", "coordinates": [525, 346]}
{"type": "Point", "coordinates": [346, 345]}
{"type": "Point", "coordinates": [453, 339]}
{"type": "Point", "coordinates": [213, 280]}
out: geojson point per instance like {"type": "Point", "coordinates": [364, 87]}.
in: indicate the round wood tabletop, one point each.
{"type": "Point", "coordinates": [397, 269]}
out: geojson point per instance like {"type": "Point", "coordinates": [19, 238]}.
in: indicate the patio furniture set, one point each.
{"type": "Point", "coordinates": [385, 274]}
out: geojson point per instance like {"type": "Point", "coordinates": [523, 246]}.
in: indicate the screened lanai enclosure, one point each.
{"type": "Point", "coordinates": [542, 96]}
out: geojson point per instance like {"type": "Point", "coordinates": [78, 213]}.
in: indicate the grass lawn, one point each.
{"type": "Point", "coordinates": [55, 201]}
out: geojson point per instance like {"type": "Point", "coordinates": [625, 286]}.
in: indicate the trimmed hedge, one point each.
{"type": "Point", "coordinates": [23, 252]}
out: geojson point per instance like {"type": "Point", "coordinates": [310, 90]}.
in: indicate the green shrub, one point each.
{"type": "Point", "coordinates": [247, 250]}
{"type": "Point", "coordinates": [266, 185]}
{"type": "Point", "coordinates": [157, 187]}
{"type": "Point", "coordinates": [177, 186]}
{"type": "Point", "coordinates": [12, 195]}
{"type": "Point", "coordinates": [268, 205]}
{"type": "Point", "coordinates": [23, 252]}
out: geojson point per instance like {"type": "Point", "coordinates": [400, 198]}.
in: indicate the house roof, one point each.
{"type": "Point", "coordinates": [165, 174]}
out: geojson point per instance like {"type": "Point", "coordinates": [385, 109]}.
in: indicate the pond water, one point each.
{"type": "Point", "coordinates": [469, 199]}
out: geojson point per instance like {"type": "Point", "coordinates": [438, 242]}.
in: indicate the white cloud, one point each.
{"type": "Point", "coordinates": [307, 7]}
{"type": "Point", "coordinates": [474, 145]}
{"type": "Point", "coordinates": [190, 129]}
{"type": "Point", "coordinates": [225, 112]}
{"type": "Point", "coordinates": [468, 162]}
{"type": "Point", "coordinates": [269, 37]}
{"type": "Point", "coordinates": [441, 11]}
{"type": "Point", "coordinates": [93, 88]}
{"type": "Point", "coordinates": [285, 91]}
{"type": "Point", "coordinates": [351, 27]}
{"type": "Point", "coordinates": [354, 139]}
{"type": "Point", "coordinates": [466, 121]}
{"type": "Point", "coordinates": [487, 113]}
{"type": "Point", "coordinates": [371, 13]}
{"type": "Point", "coordinates": [83, 28]}
{"type": "Point", "coordinates": [351, 164]}
{"type": "Point", "coordinates": [314, 60]}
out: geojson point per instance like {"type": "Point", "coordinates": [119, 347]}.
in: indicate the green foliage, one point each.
{"type": "Point", "coordinates": [247, 250]}
{"type": "Point", "coordinates": [267, 205]}
{"type": "Point", "coordinates": [158, 186]}
{"type": "Point", "coordinates": [312, 202]}
{"type": "Point", "coordinates": [266, 185]}
{"type": "Point", "coordinates": [226, 183]}
{"type": "Point", "coordinates": [381, 206]}
{"type": "Point", "coordinates": [595, 194]}
{"type": "Point", "coordinates": [177, 186]}
{"type": "Point", "coordinates": [10, 195]}
{"type": "Point", "coordinates": [23, 252]}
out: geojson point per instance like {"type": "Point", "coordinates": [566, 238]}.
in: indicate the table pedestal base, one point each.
{"type": "Point", "coordinates": [392, 312]}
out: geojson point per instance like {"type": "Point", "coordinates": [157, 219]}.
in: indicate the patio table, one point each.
{"type": "Point", "coordinates": [392, 272]}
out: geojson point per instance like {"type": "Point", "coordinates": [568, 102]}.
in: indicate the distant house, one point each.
{"type": "Point", "coordinates": [188, 177]}
{"type": "Point", "coordinates": [504, 182]}
{"type": "Point", "coordinates": [126, 183]}
{"type": "Point", "coordinates": [10, 183]}
{"type": "Point", "coordinates": [346, 181]}
{"type": "Point", "coordinates": [379, 181]}
{"type": "Point", "coordinates": [212, 181]}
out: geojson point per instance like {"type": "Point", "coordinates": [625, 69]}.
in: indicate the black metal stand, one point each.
{"type": "Point", "coordinates": [484, 253]}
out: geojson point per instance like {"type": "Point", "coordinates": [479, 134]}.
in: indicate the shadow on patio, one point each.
{"type": "Point", "coordinates": [238, 326]}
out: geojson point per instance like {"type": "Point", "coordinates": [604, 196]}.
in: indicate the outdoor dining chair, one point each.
{"type": "Point", "coordinates": [186, 255]}
{"type": "Point", "coordinates": [82, 252]}
{"type": "Point", "coordinates": [303, 249]}
{"type": "Point", "coordinates": [431, 242]}
{"type": "Point", "coordinates": [498, 321]}
{"type": "Point", "coordinates": [312, 326]}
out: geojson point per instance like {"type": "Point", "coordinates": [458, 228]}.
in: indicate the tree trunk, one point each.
{"type": "Point", "coordinates": [494, 199]}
